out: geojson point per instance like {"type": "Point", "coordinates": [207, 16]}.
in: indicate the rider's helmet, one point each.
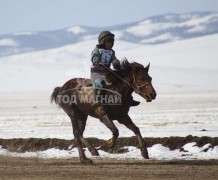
{"type": "Point", "coordinates": [104, 36]}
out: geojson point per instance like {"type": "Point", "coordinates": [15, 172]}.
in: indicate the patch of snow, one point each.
{"type": "Point", "coordinates": [195, 21]}
{"type": "Point", "coordinates": [25, 33]}
{"type": "Point", "coordinates": [156, 152]}
{"type": "Point", "coordinates": [148, 27]}
{"type": "Point", "coordinates": [8, 42]}
{"type": "Point", "coordinates": [163, 37]}
{"type": "Point", "coordinates": [76, 30]}
{"type": "Point", "coordinates": [193, 148]}
{"type": "Point", "coordinates": [200, 28]}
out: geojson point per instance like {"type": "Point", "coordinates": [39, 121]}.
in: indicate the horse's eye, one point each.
{"type": "Point", "coordinates": [141, 78]}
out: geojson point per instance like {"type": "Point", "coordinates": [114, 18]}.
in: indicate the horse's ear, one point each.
{"type": "Point", "coordinates": [147, 67]}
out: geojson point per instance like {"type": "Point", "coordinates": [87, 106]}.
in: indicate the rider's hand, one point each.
{"type": "Point", "coordinates": [116, 64]}
{"type": "Point", "coordinates": [96, 60]}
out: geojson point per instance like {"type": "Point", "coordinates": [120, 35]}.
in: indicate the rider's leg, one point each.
{"type": "Point", "coordinates": [98, 86]}
{"type": "Point", "coordinates": [133, 102]}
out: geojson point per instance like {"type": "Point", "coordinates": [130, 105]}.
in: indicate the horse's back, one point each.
{"type": "Point", "coordinates": [76, 83]}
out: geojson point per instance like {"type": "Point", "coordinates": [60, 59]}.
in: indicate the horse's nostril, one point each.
{"type": "Point", "coordinates": [153, 95]}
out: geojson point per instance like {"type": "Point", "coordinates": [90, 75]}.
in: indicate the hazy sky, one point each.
{"type": "Point", "coordinates": [40, 15]}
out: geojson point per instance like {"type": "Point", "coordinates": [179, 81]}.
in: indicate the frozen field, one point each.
{"type": "Point", "coordinates": [195, 114]}
{"type": "Point", "coordinates": [179, 114]}
{"type": "Point", "coordinates": [184, 75]}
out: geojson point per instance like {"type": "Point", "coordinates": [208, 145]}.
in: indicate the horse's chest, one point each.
{"type": "Point", "coordinates": [117, 111]}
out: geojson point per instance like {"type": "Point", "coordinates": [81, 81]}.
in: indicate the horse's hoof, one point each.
{"type": "Point", "coordinates": [110, 143]}
{"type": "Point", "coordinates": [146, 156]}
{"type": "Point", "coordinates": [86, 161]}
{"type": "Point", "coordinates": [105, 148]}
{"type": "Point", "coordinates": [144, 153]}
{"type": "Point", "coordinates": [95, 153]}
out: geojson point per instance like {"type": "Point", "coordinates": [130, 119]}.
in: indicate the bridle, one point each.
{"type": "Point", "coordinates": [136, 88]}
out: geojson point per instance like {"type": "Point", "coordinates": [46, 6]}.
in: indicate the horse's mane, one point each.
{"type": "Point", "coordinates": [126, 68]}
{"type": "Point", "coordinates": [126, 65]}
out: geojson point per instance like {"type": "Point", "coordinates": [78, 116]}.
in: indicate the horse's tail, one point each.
{"type": "Point", "coordinates": [55, 94]}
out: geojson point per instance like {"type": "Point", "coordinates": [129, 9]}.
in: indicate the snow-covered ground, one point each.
{"type": "Point", "coordinates": [184, 75]}
{"type": "Point", "coordinates": [156, 152]}
{"type": "Point", "coordinates": [187, 64]}
{"type": "Point", "coordinates": [177, 114]}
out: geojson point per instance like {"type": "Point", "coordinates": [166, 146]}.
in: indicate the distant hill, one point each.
{"type": "Point", "coordinates": [152, 30]}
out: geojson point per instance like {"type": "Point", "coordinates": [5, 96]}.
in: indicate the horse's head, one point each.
{"type": "Point", "coordinates": [141, 81]}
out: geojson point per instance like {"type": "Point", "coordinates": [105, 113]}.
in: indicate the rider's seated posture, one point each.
{"type": "Point", "coordinates": [104, 55]}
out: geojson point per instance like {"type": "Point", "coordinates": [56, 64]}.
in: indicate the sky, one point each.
{"type": "Point", "coordinates": [44, 15]}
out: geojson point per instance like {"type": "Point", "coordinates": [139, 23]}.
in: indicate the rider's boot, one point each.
{"type": "Point", "coordinates": [133, 102]}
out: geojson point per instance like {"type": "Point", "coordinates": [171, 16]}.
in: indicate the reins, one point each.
{"type": "Point", "coordinates": [136, 89]}
{"type": "Point", "coordinates": [137, 86]}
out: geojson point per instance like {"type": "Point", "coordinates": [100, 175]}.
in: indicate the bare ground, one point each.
{"type": "Point", "coordinates": [38, 144]}
{"type": "Point", "coordinates": [32, 168]}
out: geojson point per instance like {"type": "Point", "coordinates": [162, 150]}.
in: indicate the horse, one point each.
{"type": "Point", "coordinates": [77, 98]}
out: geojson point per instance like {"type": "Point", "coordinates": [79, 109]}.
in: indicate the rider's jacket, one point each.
{"type": "Point", "coordinates": [105, 57]}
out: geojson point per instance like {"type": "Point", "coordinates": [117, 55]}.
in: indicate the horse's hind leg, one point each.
{"type": "Point", "coordinates": [72, 113]}
{"type": "Point", "coordinates": [82, 118]}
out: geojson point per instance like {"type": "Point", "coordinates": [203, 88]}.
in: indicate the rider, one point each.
{"type": "Point", "coordinates": [104, 55]}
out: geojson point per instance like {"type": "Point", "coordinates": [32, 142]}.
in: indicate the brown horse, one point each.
{"type": "Point", "coordinates": [78, 99]}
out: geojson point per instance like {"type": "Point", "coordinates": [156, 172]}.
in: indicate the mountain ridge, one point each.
{"type": "Point", "coordinates": [152, 30]}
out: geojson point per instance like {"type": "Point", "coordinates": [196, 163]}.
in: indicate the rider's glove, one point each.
{"type": "Point", "coordinates": [116, 64]}
{"type": "Point", "coordinates": [96, 60]}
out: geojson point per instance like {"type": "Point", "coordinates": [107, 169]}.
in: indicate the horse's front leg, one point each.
{"type": "Point", "coordinates": [129, 124]}
{"type": "Point", "coordinates": [113, 128]}
{"type": "Point", "coordinates": [109, 123]}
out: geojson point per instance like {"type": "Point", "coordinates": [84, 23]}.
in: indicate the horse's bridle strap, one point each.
{"type": "Point", "coordinates": [137, 86]}
{"type": "Point", "coordinates": [136, 89]}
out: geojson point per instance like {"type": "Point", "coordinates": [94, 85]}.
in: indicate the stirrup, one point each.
{"type": "Point", "coordinates": [134, 103]}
